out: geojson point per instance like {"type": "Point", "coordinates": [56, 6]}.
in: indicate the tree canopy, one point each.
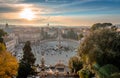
{"type": "Point", "coordinates": [102, 46]}
{"type": "Point", "coordinates": [8, 63]}
{"type": "Point", "coordinates": [100, 25]}
{"type": "Point", "coordinates": [2, 33]}
{"type": "Point", "coordinates": [99, 48]}
{"type": "Point", "coordinates": [71, 34]}
{"type": "Point", "coordinates": [75, 64]}
{"type": "Point", "coordinates": [107, 71]}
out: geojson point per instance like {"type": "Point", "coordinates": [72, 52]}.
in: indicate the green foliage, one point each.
{"type": "Point", "coordinates": [28, 60]}
{"type": "Point", "coordinates": [44, 34]}
{"type": "Point", "coordinates": [2, 33]}
{"type": "Point", "coordinates": [24, 70]}
{"type": "Point", "coordinates": [75, 64]}
{"type": "Point", "coordinates": [96, 66]}
{"type": "Point", "coordinates": [100, 51]}
{"type": "Point", "coordinates": [84, 73]}
{"type": "Point", "coordinates": [102, 46]}
{"type": "Point", "coordinates": [100, 25]}
{"type": "Point", "coordinates": [80, 36]}
{"type": "Point", "coordinates": [107, 70]}
{"type": "Point", "coordinates": [28, 56]}
{"type": "Point", "coordinates": [71, 35]}
{"type": "Point", "coordinates": [115, 75]}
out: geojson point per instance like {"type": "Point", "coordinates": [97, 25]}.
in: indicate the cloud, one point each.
{"type": "Point", "coordinates": [87, 20]}
{"type": "Point", "coordinates": [85, 7]}
{"type": "Point", "coordinates": [9, 8]}
{"type": "Point", "coordinates": [49, 1]}
{"type": "Point", "coordinates": [10, 1]}
{"type": "Point", "coordinates": [65, 12]}
{"type": "Point", "coordinates": [75, 7]}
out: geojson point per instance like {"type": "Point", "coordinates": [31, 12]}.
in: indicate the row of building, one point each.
{"type": "Point", "coordinates": [19, 34]}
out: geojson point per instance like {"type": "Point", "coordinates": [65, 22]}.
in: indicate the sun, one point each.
{"type": "Point", "coordinates": [27, 13]}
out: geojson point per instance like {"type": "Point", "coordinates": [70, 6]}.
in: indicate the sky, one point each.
{"type": "Point", "coordinates": [59, 12]}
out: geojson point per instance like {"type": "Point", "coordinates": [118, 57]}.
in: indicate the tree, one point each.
{"type": "Point", "coordinates": [24, 70]}
{"type": "Point", "coordinates": [80, 36]}
{"type": "Point", "coordinates": [115, 75]}
{"type": "Point", "coordinates": [2, 33]}
{"type": "Point", "coordinates": [8, 63]}
{"type": "Point", "coordinates": [106, 71]}
{"type": "Point", "coordinates": [100, 25]}
{"type": "Point", "coordinates": [44, 34]}
{"type": "Point", "coordinates": [27, 62]}
{"type": "Point", "coordinates": [101, 47]}
{"type": "Point", "coordinates": [84, 73]}
{"type": "Point", "coordinates": [28, 56]}
{"type": "Point", "coordinates": [75, 64]}
{"type": "Point", "coordinates": [71, 34]}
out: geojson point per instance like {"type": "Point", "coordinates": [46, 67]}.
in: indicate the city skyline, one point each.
{"type": "Point", "coordinates": [59, 12]}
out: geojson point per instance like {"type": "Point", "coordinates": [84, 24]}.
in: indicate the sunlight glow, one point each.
{"type": "Point", "coordinates": [27, 13]}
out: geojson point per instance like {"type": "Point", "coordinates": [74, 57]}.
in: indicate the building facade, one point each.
{"type": "Point", "coordinates": [11, 40]}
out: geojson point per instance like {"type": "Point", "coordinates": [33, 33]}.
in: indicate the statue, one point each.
{"type": "Point", "coordinates": [42, 62]}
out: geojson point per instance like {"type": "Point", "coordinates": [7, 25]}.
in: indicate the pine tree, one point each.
{"type": "Point", "coordinates": [28, 60]}
{"type": "Point", "coordinates": [28, 56]}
